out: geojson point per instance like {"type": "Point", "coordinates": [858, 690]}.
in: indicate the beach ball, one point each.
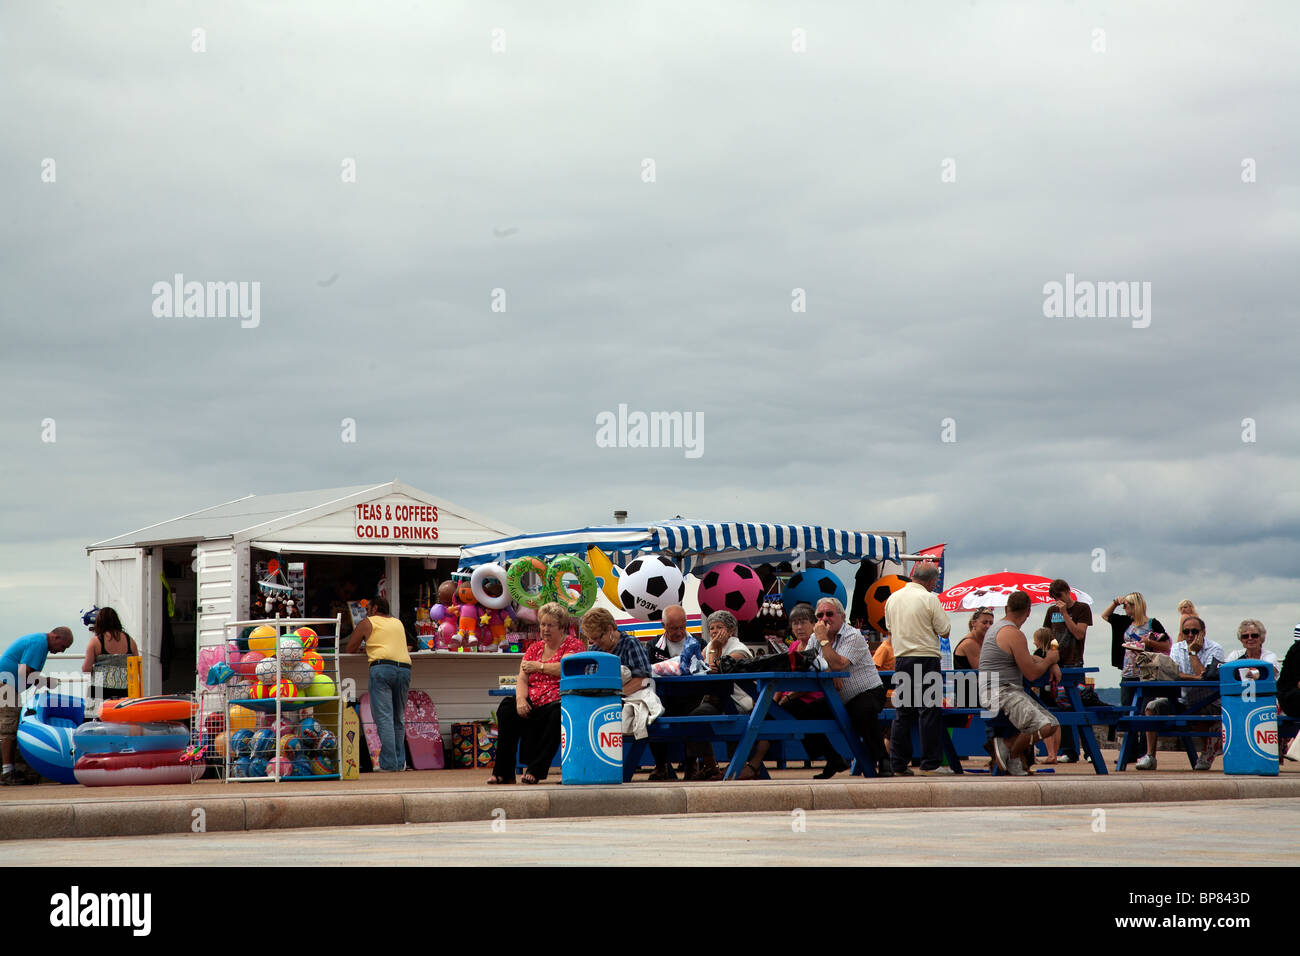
{"type": "Point", "coordinates": [307, 637]}
{"type": "Point", "coordinates": [302, 675]}
{"type": "Point", "coordinates": [878, 594]}
{"type": "Point", "coordinates": [241, 642]}
{"type": "Point", "coordinates": [283, 689]}
{"type": "Point", "coordinates": [322, 764]}
{"type": "Point", "coordinates": [257, 767]}
{"type": "Point", "coordinates": [219, 744]}
{"type": "Point", "coordinates": [263, 743]}
{"type": "Point", "coordinates": [284, 727]}
{"type": "Point", "coordinates": [327, 743]}
{"type": "Point", "coordinates": [292, 747]}
{"type": "Point", "coordinates": [809, 587]}
{"type": "Point", "coordinates": [321, 686]}
{"type": "Point", "coordinates": [266, 670]}
{"type": "Point", "coordinates": [262, 640]}
{"type": "Point", "coordinates": [731, 587]}
{"type": "Point", "coordinates": [214, 724]}
{"type": "Point", "coordinates": [241, 718]}
{"type": "Point", "coordinates": [649, 585]}
{"type": "Point", "coordinates": [246, 666]}
{"type": "Point", "coordinates": [301, 768]}
{"type": "Point", "coordinates": [279, 765]}
{"type": "Point", "coordinates": [315, 660]}
{"type": "Point", "coordinates": [311, 729]}
{"type": "Point", "coordinates": [240, 767]}
{"type": "Point", "coordinates": [241, 742]}
{"type": "Point", "coordinates": [290, 650]}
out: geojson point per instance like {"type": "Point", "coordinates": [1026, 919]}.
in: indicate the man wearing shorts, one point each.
{"type": "Point", "coordinates": [22, 659]}
{"type": "Point", "coordinates": [1005, 658]}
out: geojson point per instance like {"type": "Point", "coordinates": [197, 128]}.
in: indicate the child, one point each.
{"type": "Point", "coordinates": [1047, 688]}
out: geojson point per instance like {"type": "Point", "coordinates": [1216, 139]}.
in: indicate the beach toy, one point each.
{"type": "Point", "coordinates": [878, 594]}
{"type": "Point", "coordinates": [322, 685]}
{"type": "Point", "coordinates": [219, 674]}
{"type": "Point", "coordinates": [241, 743]}
{"type": "Point", "coordinates": [283, 689]}
{"type": "Point", "coordinates": [280, 766]}
{"type": "Point", "coordinates": [302, 674]}
{"type": "Point", "coordinates": [290, 650]}
{"type": "Point", "coordinates": [323, 764]}
{"type": "Point", "coordinates": [246, 666]}
{"type": "Point", "coordinates": [327, 743]}
{"type": "Point", "coordinates": [515, 583]}
{"type": "Point", "coordinates": [45, 729]}
{"type": "Point", "coordinates": [241, 642]}
{"type": "Point", "coordinates": [101, 738]}
{"type": "Point", "coordinates": [607, 574]}
{"type": "Point", "coordinates": [580, 603]}
{"type": "Point", "coordinates": [292, 747]}
{"type": "Point", "coordinates": [264, 743]}
{"type": "Point", "coordinates": [241, 718]}
{"type": "Point", "coordinates": [308, 638]}
{"type": "Point", "coordinates": [731, 587]}
{"type": "Point", "coordinates": [240, 767]}
{"type": "Point", "coordinates": [478, 586]}
{"type": "Point", "coordinates": [219, 744]}
{"type": "Point", "coordinates": [649, 585]}
{"type": "Point", "coordinates": [267, 669]}
{"type": "Point", "coordinates": [257, 767]}
{"type": "Point", "coordinates": [315, 660]}
{"type": "Point", "coordinates": [263, 640]}
{"type": "Point", "coordinates": [135, 769]}
{"type": "Point", "coordinates": [311, 729]}
{"type": "Point", "coordinates": [284, 727]}
{"type": "Point", "coordinates": [301, 767]}
{"type": "Point", "coordinates": [809, 587]}
{"type": "Point", "coordinates": [139, 710]}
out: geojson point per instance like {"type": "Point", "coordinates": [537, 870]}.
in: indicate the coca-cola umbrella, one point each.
{"type": "Point", "coordinates": [992, 590]}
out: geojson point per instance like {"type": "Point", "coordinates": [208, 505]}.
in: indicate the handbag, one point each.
{"type": "Point", "coordinates": [791, 661]}
{"type": "Point", "coordinates": [1155, 666]}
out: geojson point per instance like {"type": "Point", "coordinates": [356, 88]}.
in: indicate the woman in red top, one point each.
{"type": "Point", "coordinates": [534, 712]}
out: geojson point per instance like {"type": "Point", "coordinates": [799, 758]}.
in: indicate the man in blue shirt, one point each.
{"type": "Point", "coordinates": [23, 658]}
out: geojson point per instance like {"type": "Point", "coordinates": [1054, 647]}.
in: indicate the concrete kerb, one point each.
{"type": "Point", "coordinates": [176, 814]}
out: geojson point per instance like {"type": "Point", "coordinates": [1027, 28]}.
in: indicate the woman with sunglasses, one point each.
{"type": "Point", "coordinates": [1252, 633]}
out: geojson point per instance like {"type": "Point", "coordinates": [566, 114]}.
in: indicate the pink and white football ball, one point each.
{"type": "Point", "coordinates": [731, 587]}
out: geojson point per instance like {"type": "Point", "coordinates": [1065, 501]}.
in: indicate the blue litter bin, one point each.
{"type": "Point", "coordinates": [1249, 718]}
{"type": "Point", "coordinates": [591, 718]}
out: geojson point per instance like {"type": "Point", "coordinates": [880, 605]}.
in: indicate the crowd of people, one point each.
{"type": "Point", "coordinates": [1023, 670]}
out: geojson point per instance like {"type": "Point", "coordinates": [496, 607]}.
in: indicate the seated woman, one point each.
{"type": "Point", "coordinates": [801, 628]}
{"type": "Point", "coordinates": [109, 639]}
{"type": "Point", "coordinates": [1045, 688]}
{"type": "Point", "coordinates": [966, 655]}
{"type": "Point", "coordinates": [533, 714]}
{"type": "Point", "coordinates": [723, 642]}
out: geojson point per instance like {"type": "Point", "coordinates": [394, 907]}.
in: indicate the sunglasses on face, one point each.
{"type": "Point", "coordinates": [821, 614]}
{"type": "Point", "coordinates": [1190, 631]}
{"type": "Point", "coordinates": [1250, 637]}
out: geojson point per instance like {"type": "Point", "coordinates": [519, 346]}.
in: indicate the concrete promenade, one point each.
{"type": "Point", "coordinates": [51, 811]}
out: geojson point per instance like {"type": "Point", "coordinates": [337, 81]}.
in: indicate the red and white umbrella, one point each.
{"type": "Point", "coordinates": [992, 590]}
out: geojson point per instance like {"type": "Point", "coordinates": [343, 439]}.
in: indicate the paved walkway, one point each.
{"type": "Point", "coordinates": [1076, 835]}
{"type": "Point", "coordinates": [54, 811]}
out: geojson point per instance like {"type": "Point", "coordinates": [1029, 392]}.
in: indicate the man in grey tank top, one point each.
{"type": "Point", "coordinates": [1005, 658]}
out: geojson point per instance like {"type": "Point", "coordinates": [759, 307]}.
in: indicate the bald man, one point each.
{"type": "Point", "coordinates": [21, 660]}
{"type": "Point", "coordinates": [674, 642]}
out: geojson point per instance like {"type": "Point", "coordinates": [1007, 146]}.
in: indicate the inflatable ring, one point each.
{"type": "Point", "coordinates": [586, 581]}
{"type": "Point", "coordinates": [497, 573]}
{"type": "Point", "coordinates": [515, 583]}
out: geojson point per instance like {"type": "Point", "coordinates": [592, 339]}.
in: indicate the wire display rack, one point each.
{"type": "Point", "coordinates": [272, 721]}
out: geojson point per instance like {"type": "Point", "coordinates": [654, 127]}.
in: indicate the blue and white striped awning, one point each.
{"type": "Point", "coordinates": [694, 545]}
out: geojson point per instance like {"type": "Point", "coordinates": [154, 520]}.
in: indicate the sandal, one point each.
{"type": "Point", "coordinates": [528, 778]}
{"type": "Point", "coordinates": [662, 773]}
{"type": "Point", "coordinates": [750, 772]}
{"type": "Point", "coordinates": [708, 775]}
{"type": "Point", "coordinates": [494, 779]}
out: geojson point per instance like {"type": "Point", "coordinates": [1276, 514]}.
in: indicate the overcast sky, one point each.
{"type": "Point", "coordinates": [1093, 139]}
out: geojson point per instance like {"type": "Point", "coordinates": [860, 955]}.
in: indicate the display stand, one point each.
{"type": "Point", "coordinates": [283, 713]}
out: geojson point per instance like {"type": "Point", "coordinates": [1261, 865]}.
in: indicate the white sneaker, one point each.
{"type": "Point", "coordinates": [1204, 763]}
{"type": "Point", "coordinates": [1146, 762]}
{"type": "Point", "coordinates": [1016, 767]}
{"type": "Point", "coordinates": [939, 771]}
